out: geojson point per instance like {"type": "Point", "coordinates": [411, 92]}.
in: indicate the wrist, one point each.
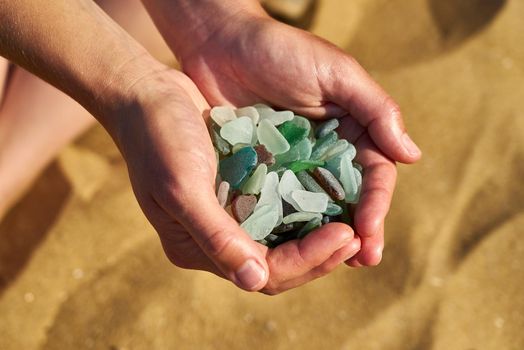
{"type": "Point", "coordinates": [120, 96]}
{"type": "Point", "coordinates": [189, 25]}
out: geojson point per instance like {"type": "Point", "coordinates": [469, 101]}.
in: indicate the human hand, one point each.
{"type": "Point", "coordinates": [172, 167]}
{"type": "Point", "coordinates": [253, 58]}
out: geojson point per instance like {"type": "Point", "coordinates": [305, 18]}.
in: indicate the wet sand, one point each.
{"type": "Point", "coordinates": [80, 267]}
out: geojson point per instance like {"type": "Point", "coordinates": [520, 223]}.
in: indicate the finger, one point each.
{"type": "Point", "coordinates": [337, 258]}
{"type": "Point", "coordinates": [347, 84]}
{"type": "Point", "coordinates": [370, 253]}
{"type": "Point", "coordinates": [298, 257]}
{"type": "Point", "coordinates": [375, 199]}
{"type": "Point", "coordinates": [220, 237]}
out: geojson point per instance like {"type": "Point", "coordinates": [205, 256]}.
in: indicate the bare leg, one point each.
{"type": "Point", "coordinates": [37, 120]}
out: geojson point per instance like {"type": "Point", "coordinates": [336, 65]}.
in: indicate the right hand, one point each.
{"type": "Point", "coordinates": [172, 167]}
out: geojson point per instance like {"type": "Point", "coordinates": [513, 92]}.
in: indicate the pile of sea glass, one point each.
{"type": "Point", "coordinates": [280, 176]}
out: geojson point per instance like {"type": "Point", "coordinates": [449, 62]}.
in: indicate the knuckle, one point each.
{"type": "Point", "coordinates": [217, 243]}
{"type": "Point", "coordinates": [392, 108]}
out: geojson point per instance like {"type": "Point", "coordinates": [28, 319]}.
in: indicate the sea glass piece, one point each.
{"type": "Point", "coordinates": [269, 195]}
{"type": "Point", "coordinates": [276, 117]}
{"type": "Point", "coordinates": [333, 209]}
{"type": "Point", "coordinates": [269, 136]}
{"type": "Point", "coordinates": [223, 193]}
{"type": "Point", "coordinates": [288, 184]}
{"type": "Point", "coordinates": [333, 164]}
{"type": "Point", "coordinates": [238, 131]}
{"type": "Point", "coordinates": [300, 165]}
{"type": "Point", "coordinates": [250, 112]}
{"type": "Point", "coordinates": [338, 148]}
{"type": "Point", "coordinates": [326, 127]}
{"type": "Point", "coordinates": [300, 151]}
{"type": "Point", "coordinates": [310, 226]}
{"type": "Point", "coordinates": [329, 183]}
{"type": "Point", "coordinates": [261, 222]}
{"type": "Point", "coordinates": [220, 144]}
{"type": "Point", "coordinates": [237, 167]}
{"type": "Point", "coordinates": [222, 114]}
{"type": "Point", "coordinates": [256, 181]}
{"type": "Point", "coordinates": [323, 144]}
{"type": "Point", "coordinates": [239, 146]}
{"type": "Point", "coordinates": [301, 216]}
{"type": "Point", "coordinates": [310, 201]}
{"type": "Point", "coordinates": [348, 179]}
{"type": "Point", "coordinates": [295, 130]}
{"type": "Point", "coordinates": [242, 206]}
{"type": "Point", "coordinates": [309, 182]}
{"type": "Point", "coordinates": [358, 180]}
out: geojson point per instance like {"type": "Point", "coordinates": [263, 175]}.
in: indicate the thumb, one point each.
{"type": "Point", "coordinates": [227, 245]}
{"type": "Point", "coordinates": [348, 85]}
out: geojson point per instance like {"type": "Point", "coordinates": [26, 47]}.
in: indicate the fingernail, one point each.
{"type": "Point", "coordinates": [410, 146]}
{"type": "Point", "coordinates": [250, 275]}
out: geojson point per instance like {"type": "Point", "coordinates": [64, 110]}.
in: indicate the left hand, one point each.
{"type": "Point", "coordinates": [257, 59]}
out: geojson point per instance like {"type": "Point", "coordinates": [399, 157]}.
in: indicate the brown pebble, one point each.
{"type": "Point", "coordinates": [264, 156]}
{"type": "Point", "coordinates": [329, 183]}
{"type": "Point", "coordinates": [223, 193]}
{"type": "Point", "coordinates": [242, 206]}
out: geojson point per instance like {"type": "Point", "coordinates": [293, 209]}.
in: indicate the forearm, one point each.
{"type": "Point", "coordinates": [188, 24]}
{"type": "Point", "coordinates": [76, 47]}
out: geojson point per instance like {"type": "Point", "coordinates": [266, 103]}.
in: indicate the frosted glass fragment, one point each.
{"type": "Point", "coordinates": [261, 222]}
{"type": "Point", "coordinates": [301, 216]}
{"type": "Point", "coordinates": [288, 184]}
{"type": "Point", "coordinates": [250, 112]}
{"type": "Point", "coordinates": [238, 131]}
{"type": "Point", "coordinates": [269, 136]}
{"type": "Point", "coordinates": [222, 114]}
{"type": "Point", "coordinates": [310, 201]}
{"type": "Point", "coordinates": [256, 181]}
{"type": "Point", "coordinates": [326, 127]}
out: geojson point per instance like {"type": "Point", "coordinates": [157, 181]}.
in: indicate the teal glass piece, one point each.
{"type": "Point", "coordinates": [237, 167]}
{"type": "Point", "coordinates": [295, 130]}
{"type": "Point", "coordinates": [333, 210]}
{"type": "Point", "coordinates": [323, 144]}
{"type": "Point", "coordinates": [326, 127]}
{"type": "Point", "coordinates": [300, 165]}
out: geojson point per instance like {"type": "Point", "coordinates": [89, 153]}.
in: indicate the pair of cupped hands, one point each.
{"type": "Point", "coordinates": [172, 164]}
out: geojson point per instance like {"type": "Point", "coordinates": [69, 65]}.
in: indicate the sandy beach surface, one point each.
{"type": "Point", "coordinates": [80, 267]}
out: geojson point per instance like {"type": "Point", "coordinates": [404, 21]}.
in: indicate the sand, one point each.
{"type": "Point", "coordinates": [80, 267]}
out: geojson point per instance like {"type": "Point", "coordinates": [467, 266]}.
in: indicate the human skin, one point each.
{"type": "Point", "coordinates": [237, 55]}
{"type": "Point", "coordinates": [154, 115]}
{"type": "Point", "coordinates": [31, 134]}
